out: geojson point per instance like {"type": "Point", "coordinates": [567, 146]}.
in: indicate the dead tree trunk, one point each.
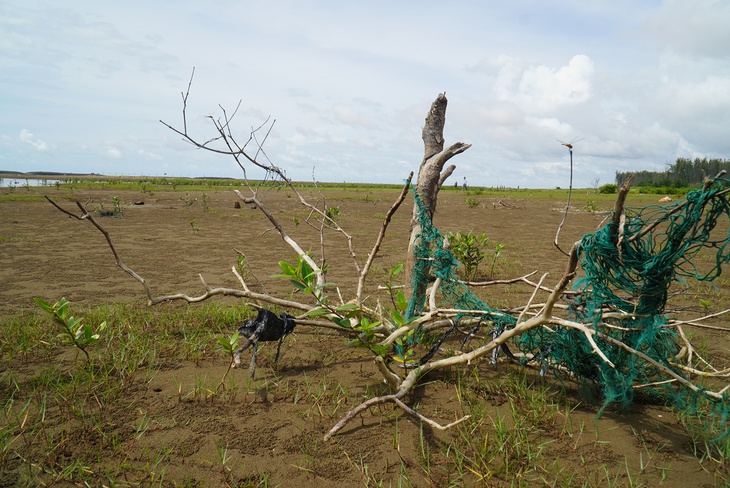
{"type": "Point", "coordinates": [431, 174]}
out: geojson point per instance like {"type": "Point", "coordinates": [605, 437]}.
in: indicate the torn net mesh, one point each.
{"type": "Point", "coordinates": [629, 272]}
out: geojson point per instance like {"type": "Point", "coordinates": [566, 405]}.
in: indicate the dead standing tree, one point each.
{"type": "Point", "coordinates": [431, 173]}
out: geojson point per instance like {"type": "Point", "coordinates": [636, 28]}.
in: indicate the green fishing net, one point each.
{"type": "Point", "coordinates": [433, 259]}
{"type": "Point", "coordinates": [629, 269]}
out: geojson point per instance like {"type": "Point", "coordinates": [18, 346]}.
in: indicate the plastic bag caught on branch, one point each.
{"type": "Point", "coordinates": [265, 327]}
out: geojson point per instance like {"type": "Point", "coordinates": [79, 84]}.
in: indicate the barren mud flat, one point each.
{"type": "Point", "coordinates": [168, 423]}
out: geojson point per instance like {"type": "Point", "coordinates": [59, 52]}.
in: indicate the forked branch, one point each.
{"type": "Point", "coordinates": [152, 300]}
{"type": "Point", "coordinates": [410, 381]}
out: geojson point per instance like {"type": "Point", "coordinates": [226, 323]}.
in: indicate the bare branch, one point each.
{"type": "Point", "coordinates": [659, 366]}
{"type": "Point", "coordinates": [379, 240]}
{"type": "Point", "coordinates": [411, 379]}
{"type": "Point", "coordinates": [532, 298]}
{"type": "Point", "coordinates": [619, 214]}
{"type": "Point", "coordinates": [567, 204]}
{"type": "Point", "coordinates": [284, 235]}
{"type": "Point", "coordinates": [231, 292]}
{"type": "Point", "coordinates": [589, 333]}
{"type": "Point", "coordinates": [695, 322]}
{"type": "Point", "coordinates": [445, 174]}
{"type": "Point", "coordinates": [209, 291]}
{"type": "Point", "coordinates": [85, 215]}
{"type": "Point", "coordinates": [430, 422]}
{"type": "Point", "coordinates": [391, 378]}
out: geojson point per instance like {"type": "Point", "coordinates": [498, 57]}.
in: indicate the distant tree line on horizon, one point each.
{"type": "Point", "coordinates": [683, 173]}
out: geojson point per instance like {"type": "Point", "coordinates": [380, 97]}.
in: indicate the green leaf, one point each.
{"type": "Point", "coordinates": [44, 305]}
{"type": "Point", "coordinates": [311, 277]}
{"type": "Point", "coordinates": [317, 312]}
{"type": "Point", "coordinates": [401, 301]}
{"type": "Point", "coordinates": [287, 269]}
{"type": "Point", "coordinates": [345, 323]}
{"type": "Point", "coordinates": [306, 269]}
{"type": "Point", "coordinates": [73, 323]}
{"type": "Point", "coordinates": [61, 308]}
{"type": "Point", "coordinates": [229, 344]}
{"type": "Point", "coordinates": [397, 318]}
{"type": "Point", "coordinates": [356, 343]}
{"type": "Point", "coordinates": [298, 284]}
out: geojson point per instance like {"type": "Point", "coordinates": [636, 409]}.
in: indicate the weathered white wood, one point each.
{"type": "Point", "coordinates": [431, 175]}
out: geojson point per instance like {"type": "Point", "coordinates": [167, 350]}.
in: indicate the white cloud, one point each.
{"type": "Point", "coordinates": [709, 96]}
{"type": "Point", "coordinates": [27, 137]}
{"type": "Point", "coordinates": [348, 115]}
{"type": "Point", "coordinates": [640, 82]}
{"type": "Point", "coordinates": [541, 89]}
{"type": "Point", "coordinates": [149, 155]}
{"type": "Point", "coordinates": [552, 126]}
{"type": "Point", "coordinates": [692, 27]}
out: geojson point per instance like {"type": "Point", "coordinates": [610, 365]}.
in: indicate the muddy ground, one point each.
{"type": "Point", "coordinates": [273, 428]}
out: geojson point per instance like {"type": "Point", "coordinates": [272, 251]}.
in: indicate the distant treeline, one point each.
{"type": "Point", "coordinates": [683, 173]}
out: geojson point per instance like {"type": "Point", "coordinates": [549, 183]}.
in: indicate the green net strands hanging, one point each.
{"type": "Point", "coordinates": [432, 258]}
{"type": "Point", "coordinates": [630, 271]}
{"type": "Point", "coordinates": [629, 268]}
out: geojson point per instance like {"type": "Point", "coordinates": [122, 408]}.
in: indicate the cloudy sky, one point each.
{"type": "Point", "coordinates": [638, 83]}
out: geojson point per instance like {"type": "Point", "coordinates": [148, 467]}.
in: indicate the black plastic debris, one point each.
{"type": "Point", "coordinates": [265, 327]}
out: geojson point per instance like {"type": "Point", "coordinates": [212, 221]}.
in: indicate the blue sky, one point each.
{"type": "Point", "coordinates": [83, 85]}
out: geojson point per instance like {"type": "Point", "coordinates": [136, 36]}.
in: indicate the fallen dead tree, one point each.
{"type": "Point", "coordinates": [611, 331]}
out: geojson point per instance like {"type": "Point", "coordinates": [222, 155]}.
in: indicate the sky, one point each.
{"type": "Point", "coordinates": [635, 84]}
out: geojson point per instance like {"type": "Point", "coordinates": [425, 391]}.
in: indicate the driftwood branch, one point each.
{"type": "Point", "coordinates": [684, 381]}
{"type": "Point", "coordinates": [410, 381]}
{"type": "Point", "coordinates": [300, 252]}
{"type": "Point", "coordinates": [519, 279]}
{"type": "Point", "coordinates": [152, 300]}
{"type": "Point", "coordinates": [241, 155]}
{"type": "Point", "coordinates": [85, 215]}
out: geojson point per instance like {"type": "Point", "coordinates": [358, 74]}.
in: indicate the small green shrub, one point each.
{"type": "Point", "coordinates": [72, 330]}
{"type": "Point", "coordinates": [333, 212]}
{"type": "Point", "coordinates": [117, 210]}
{"type": "Point", "coordinates": [187, 199]}
{"type": "Point", "coordinates": [608, 189]}
{"type": "Point", "coordinates": [469, 249]}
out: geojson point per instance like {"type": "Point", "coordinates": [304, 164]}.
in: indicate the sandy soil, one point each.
{"type": "Point", "coordinates": [275, 430]}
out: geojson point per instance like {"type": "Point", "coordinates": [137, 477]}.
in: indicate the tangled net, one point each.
{"type": "Point", "coordinates": [629, 265]}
